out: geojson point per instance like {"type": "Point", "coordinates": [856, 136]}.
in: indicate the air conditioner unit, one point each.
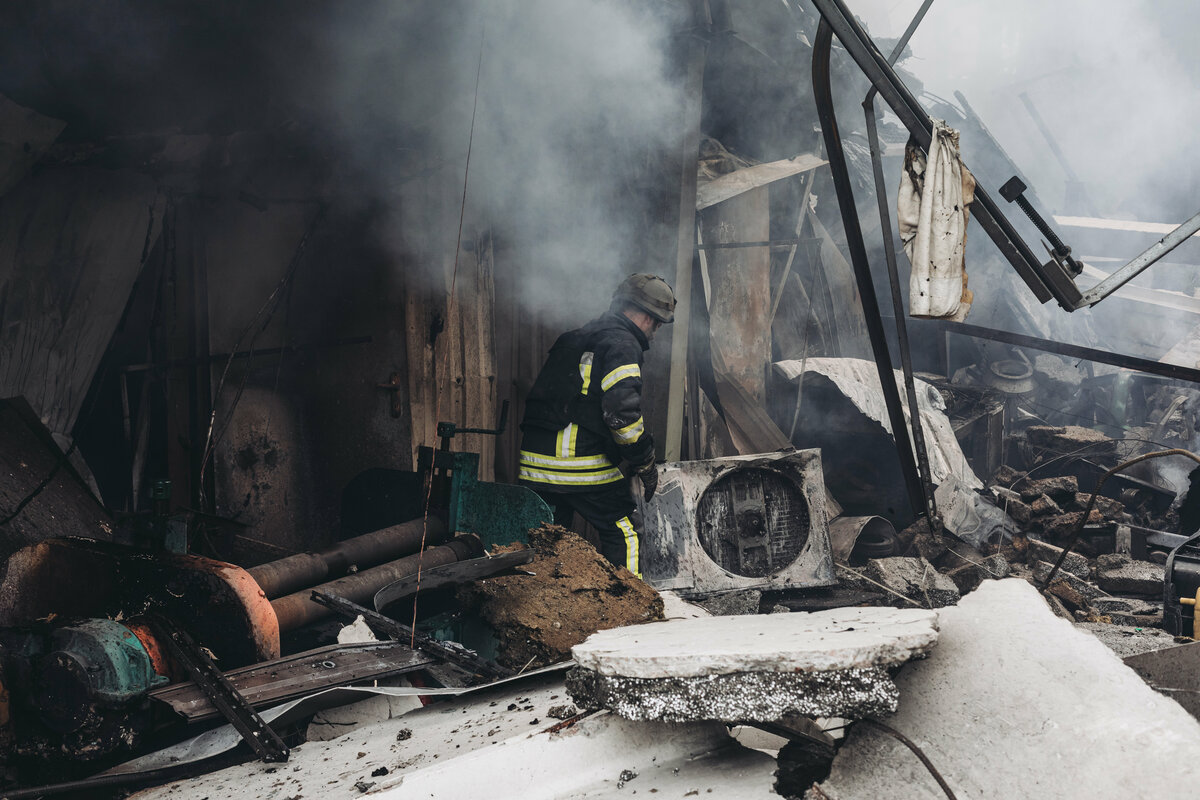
{"type": "Point", "coordinates": [743, 522]}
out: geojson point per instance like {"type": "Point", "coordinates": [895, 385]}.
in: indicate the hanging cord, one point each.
{"type": "Point", "coordinates": [450, 303]}
{"type": "Point", "coordinates": [1077, 530]}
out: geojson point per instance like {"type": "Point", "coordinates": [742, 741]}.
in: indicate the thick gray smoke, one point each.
{"type": "Point", "coordinates": [1115, 80]}
{"type": "Point", "coordinates": [575, 103]}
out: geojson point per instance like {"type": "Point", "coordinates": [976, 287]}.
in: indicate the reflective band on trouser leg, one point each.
{"type": "Point", "coordinates": [573, 471]}
{"type": "Point", "coordinates": [632, 550]}
{"type": "Point", "coordinates": [619, 374]}
{"type": "Point", "coordinates": [631, 432]}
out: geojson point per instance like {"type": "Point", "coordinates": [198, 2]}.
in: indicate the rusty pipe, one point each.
{"type": "Point", "coordinates": [293, 573]}
{"type": "Point", "coordinates": [297, 609]}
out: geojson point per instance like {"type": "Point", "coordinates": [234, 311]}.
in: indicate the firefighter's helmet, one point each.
{"type": "Point", "coordinates": [649, 293]}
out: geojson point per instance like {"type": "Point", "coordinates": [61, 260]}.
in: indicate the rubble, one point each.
{"type": "Point", "coordinates": [1061, 489]}
{"type": "Point", "coordinates": [1006, 693]}
{"type": "Point", "coordinates": [1117, 572]}
{"type": "Point", "coordinates": [1074, 563]}
{"type": "Point", "coordinates": [1072, 438]}
{"type": "Point", "coordinates": [569, 592]}
{"type": "Point", "coordinates": [761, 668]}
{"type": "Point", "coordinates": [732, 603]}
{"type": "Point", "coordinates": [914, 578]}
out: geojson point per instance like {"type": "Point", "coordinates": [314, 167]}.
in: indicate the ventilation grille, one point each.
{"type": "Point", "coordinates": [753, 522]}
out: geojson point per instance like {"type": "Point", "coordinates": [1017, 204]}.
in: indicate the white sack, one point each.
{"type": "Point", "coordinates": [932, 215]}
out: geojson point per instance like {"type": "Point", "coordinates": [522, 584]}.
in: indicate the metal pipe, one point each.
{"type": "Point", "coordinates": [1140, 264]}
{"type": "Point", "coordinates": [298, 609]}
{"type": "Point", "coordinates": [287, 575]}
{"type": "Point", "coordinates": [823, 93]}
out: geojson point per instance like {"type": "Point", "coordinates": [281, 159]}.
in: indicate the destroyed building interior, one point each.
{"type": "Point", "coordinates": [277, 281]}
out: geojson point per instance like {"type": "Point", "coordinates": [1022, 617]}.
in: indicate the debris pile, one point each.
{"type": "Point", "coordinates": [757, 668]}
{"type": "Point", "coordinates": [568, 592]}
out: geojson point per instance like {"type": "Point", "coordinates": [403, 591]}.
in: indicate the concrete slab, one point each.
{"type": "Point", "coordinates": [740, 697]}
{"type": "Point", "coordinates": [1014, 702]}
{"type": "Point", "coordinates": [842, 638]}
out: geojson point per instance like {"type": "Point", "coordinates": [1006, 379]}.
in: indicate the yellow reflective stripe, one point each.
{"type": "Point", "coordinates": [575, 462]}
{"type": "Point", "coordinates": [569, 478]}
{"type": "Point", "coordinates": [632, 550]}
{"type": "Point", "coordinates": [565, 443]}
{"type": "Point", "coordinates": [585, 371]}
{"type": "Point", "coordinates": [631, 432]}
{"type": "Point", "coordinates": [619, 374]}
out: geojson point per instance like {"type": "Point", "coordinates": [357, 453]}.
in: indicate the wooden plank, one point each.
{"type": "Point", "coordinates": [689, 154]}
{"type": "Point", "coordinates": [743, 180]}
{"type": "Point", "coordinates": [71, 244]}
{"type": "Point", "coordinates": [275, 681]}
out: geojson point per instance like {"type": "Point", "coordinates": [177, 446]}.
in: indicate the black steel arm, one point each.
{"type": "Point", "coordinates": [1044, 280]}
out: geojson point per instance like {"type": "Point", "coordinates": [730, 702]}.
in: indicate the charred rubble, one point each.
{"type": "Point", "coordinates": [274, 286]}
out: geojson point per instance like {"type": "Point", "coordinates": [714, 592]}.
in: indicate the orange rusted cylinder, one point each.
{"type": "Point", "coordinates": [298, 609]}
{"type": "Point", "coordinates": [291, 574]}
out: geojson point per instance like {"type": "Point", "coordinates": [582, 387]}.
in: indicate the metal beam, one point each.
{"type": "Point", "coordinates": [1069, 350]}
{"type": "Point", "coordinates": [1045, 281]}
{"type": "Point", "coordinates": [1140, 264]}
{"type": "Point", "coordinates": [823, 93]}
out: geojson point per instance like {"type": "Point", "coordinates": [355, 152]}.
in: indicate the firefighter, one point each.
{"type": "Point", "coordinates": [583, 418]}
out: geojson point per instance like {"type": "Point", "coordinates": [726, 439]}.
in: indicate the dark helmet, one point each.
{"type": "Point", "coordinates": [649, 293]}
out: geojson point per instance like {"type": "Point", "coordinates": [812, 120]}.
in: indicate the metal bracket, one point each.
{"type": "Point", "coordinates": [262, 739]}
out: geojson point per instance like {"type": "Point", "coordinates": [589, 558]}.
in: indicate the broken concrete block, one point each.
{"type": "Point", "coordinates": [1073, 599]}
{"type": "Point", "coordinates": [760, 668]}
{"type": "Point", "coordinates": [1056, 376]}
{"type": "Point", "coordinates": [1016, 508]}
{"type": "Point", "coordinates": [916, 579]}
{"type": "Point", "coordinates": [1075, 563]}
{"type": "Point", "coordinates": [968, 576]}
{"type": "Point", "coordinates": [1060, 527]}
{"type": "Point", "coordinates": [1041, 570]}
{"type": "Point", "coordinates": [1117, 572]}
{"type": "Point", "coordinates": [1109, 508]}
{"type": "Point", "coordinates": [998, 712]}
{"type": "Point", "coordinates": [1061, 489]}
{"type": "Point", "coordinates": [1007, 476]}
{"type": "Point", "coordinates": [1070, 439]}
{"type": "Point", "coordinates": [1043, 506]}
{"type": "Point", "coordinates": [732, 604]}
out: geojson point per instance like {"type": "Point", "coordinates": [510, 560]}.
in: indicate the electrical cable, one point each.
{"type": "Point", "coordinates": [450, 303]}
{"type": "Point", "coordinates": [904, 740]}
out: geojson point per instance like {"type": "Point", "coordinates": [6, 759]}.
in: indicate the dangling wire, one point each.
{"type": "Point", "coordinates": [449, 316]}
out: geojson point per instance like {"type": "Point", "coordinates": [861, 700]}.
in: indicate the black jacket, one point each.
{"type": "Point", "coordinates": [584, 413]}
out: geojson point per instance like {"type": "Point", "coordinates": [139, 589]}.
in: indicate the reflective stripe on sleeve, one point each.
{"type": "Point", "coordinates": [585, 371]}
{"type": "Point", "coordinates": [632, 550]}
{"type": "Point", "coordinates": [619, 374]}
{"type": "Point", "coordinates": [631, 432]}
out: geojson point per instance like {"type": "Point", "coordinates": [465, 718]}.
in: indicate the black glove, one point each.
{"type": "Point", "coordinates": [648, 473]}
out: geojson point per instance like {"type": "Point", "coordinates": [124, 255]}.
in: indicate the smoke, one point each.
{"type": "Point", "coordinates": [577, 107]}
{"type": "Point", "coordinates": [1113, 84]}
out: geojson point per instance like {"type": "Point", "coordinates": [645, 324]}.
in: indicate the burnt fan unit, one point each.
{"type": "Point", "coordinates": [744, 522]}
